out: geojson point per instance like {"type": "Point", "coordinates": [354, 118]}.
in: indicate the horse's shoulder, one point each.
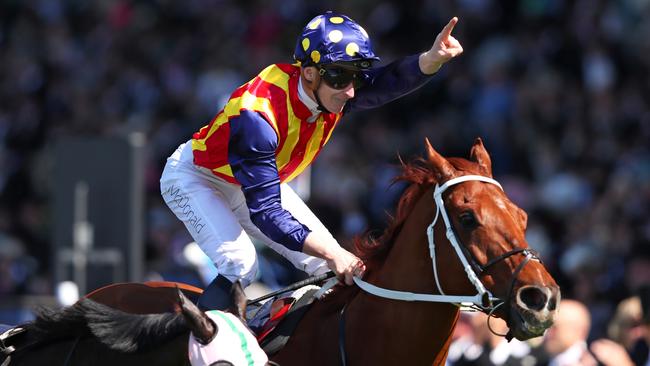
{"type": "Point", "coordinates": [143, 298]}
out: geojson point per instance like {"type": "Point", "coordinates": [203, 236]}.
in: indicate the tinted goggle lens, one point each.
{"type": "Point", "coordinates": [340, 78]}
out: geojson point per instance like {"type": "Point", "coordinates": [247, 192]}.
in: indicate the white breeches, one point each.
{"type": "Point", "coordinates": [215, 214]}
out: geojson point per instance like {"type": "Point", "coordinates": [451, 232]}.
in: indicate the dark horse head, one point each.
{"type": "Point", "coordinates": [89, 333]}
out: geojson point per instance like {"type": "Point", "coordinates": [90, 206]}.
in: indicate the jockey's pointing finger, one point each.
{"type": "Point", "coordinates": [446, 31]}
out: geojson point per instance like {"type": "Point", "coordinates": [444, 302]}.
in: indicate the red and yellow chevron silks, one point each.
{"type": "Point", "coordinates": [274, 94]}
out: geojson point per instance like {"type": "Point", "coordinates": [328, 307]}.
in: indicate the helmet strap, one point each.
{"type": "Point", "coordinates": [321, 107]}
{"type": "Point", "coordinates": [314, 85]}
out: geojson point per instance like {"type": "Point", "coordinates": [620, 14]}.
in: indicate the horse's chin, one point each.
{"type": "Point", "coordinates": [524, 325]}
{"type": "Point", "coordinates": [523, 334]}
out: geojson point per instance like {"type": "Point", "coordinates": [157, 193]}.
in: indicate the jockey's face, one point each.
{"type": "Point", "coordinates": [333, 99]}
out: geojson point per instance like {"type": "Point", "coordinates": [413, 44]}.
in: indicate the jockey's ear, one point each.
{"type": "Point", "coordinates": [441, 167]}
{"type": "Point", "coordinates": [201, 326]}
{"type": "Point", "coordinates": [239, 301]}
{"type": "Point", "coordinates": [309, 73]}
{"type": "Point", "coordinates": [480, 156]}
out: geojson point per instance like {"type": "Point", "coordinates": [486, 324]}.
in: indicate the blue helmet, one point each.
{"type": "Point", "coordinates": [334, 38]}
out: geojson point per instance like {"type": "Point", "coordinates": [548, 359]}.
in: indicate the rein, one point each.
{"type": "Point", "coordinates": [483, 300]}
{"type": "Point", "coordinates": [69, 356]}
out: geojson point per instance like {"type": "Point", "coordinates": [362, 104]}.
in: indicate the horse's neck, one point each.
{"type": "Point", "coordinates": [408, 268]}
{"type": "Point", "coordinates": [408, 265]}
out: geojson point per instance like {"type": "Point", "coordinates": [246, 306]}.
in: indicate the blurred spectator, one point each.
{"type": "Point", "coordinates": [479, 345]}
{"type": "Point", "coordinates": [610, 353]}
{"type": "Point", "coordinates": [629, 332]}
{"type": "Point", "coordinates": [641, 350]}
{"type": "Point", "coordinates": [626, 332]}
{"type": "Point", "coordinates": [565, 342]}
{"type": "Point", "coordinates": [626, 328]}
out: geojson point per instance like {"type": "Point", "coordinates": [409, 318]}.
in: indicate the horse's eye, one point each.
{"type": "Point", "coordinates": [468, 220]}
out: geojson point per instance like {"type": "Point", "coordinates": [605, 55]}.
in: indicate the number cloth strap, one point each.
{"type": "Point", "coordinates": [233, 343]}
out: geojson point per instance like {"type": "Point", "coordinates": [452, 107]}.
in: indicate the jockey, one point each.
{"type": "Point", "coordinates": [228, 184]}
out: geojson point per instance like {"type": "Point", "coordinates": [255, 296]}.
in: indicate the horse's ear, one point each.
{"type": "Point", "coordinates": [442, 168]}
{"type": "Point", "coordinates": [480, 156]}
{"type": "Point", "coordinates": [239, 301]}
{"type": "Point", "coordinates": [201, 326]}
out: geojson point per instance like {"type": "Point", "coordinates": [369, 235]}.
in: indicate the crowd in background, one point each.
{"type": "Point", "coordinates": [480, 342]}
{"type": "Point", "coordinates": [559, 91]}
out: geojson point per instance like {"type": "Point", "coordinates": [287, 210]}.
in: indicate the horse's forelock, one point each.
{"type": "Point", "coordinates": [466, 166]}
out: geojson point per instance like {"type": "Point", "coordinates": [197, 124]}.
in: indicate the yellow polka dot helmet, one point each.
{"type": "Point", "coordinates": [334, 38]}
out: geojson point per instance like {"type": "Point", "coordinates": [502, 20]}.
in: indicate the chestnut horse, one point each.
{"type": "Point", "coordinates": [456, 238]}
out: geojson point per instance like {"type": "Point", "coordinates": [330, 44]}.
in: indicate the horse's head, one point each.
{"type": "Point", "coordinates": [488, 233]}
{"type": "Point", "coordinates": [221, 338]}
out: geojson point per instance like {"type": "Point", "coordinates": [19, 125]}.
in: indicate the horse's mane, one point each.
{"type": "Point", "coordinates": [116, 329]}
{"type": "Point", "coordinates": [421, 176]}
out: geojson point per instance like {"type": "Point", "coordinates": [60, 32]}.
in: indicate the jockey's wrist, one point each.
{"type": "Point", "coordinates": [428, 66]}
{"type": "Point", "coordinates": [321, 246]}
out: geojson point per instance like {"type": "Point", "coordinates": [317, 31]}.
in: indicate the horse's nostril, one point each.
{"type": "Point", "coordinates": [534, 298]}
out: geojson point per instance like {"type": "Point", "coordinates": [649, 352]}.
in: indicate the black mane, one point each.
{"type": "Point", "coordinates": [116, 329]}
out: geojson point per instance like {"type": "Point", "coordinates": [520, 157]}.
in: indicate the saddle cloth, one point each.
{"type": "Point", "coordinates": [275, 320]}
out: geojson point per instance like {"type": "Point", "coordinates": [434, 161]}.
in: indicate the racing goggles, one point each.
{"type": "Point", "coordinates": [339, 78]}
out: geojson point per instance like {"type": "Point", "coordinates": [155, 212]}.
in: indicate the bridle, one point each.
{"type": "Point", "coordinates": [483, 300]}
